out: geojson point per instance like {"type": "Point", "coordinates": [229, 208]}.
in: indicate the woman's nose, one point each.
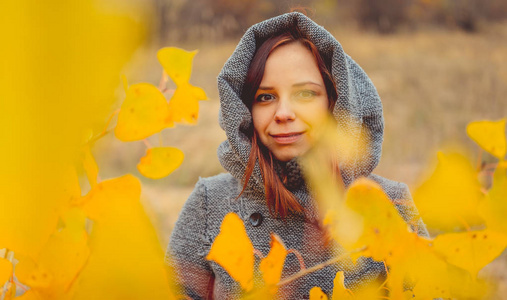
{"type": "Point", "coordinates": [284, 112]}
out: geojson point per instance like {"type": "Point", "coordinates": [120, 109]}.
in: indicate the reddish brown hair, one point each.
{"type": "Point", "coordinates": [281, 202]}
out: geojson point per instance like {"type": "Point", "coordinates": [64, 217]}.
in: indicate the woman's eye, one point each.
{"type": "Point", "coordinates": [264, 98]}
{"type": "Point", "coordinates": [306, 94]}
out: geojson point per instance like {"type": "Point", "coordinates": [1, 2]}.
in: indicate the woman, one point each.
{"type": "Point", "coordinates": [284, 76]}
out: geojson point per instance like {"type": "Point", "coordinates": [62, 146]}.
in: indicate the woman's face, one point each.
{"type": "Point", "coordinates": [290, 103]}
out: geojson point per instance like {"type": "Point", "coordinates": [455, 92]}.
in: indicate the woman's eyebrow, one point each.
{"type": "Point", "coordinates": [268, 88]}
{"type": "Point", "coordinates": [305, 83]}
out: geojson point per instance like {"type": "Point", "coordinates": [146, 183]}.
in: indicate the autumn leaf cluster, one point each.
{"type": "Point", "coordinates": [468, 217]}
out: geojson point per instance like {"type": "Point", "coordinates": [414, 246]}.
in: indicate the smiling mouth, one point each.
{"type": "Point", "coordinates": [287, 138]}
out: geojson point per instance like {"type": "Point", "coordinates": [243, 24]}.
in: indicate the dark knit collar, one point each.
{"type": "Point", "coordinates": [291, 173]}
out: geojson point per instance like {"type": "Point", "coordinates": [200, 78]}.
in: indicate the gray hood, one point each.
{"type": "Point", "coordinates": [358, 109]}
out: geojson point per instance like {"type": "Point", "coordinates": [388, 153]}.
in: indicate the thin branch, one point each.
{"type": "Point", "coordinates": [382, 286]}
{"type": "Point", "coordinates": [106, 130]}
{"type": "Point", "coordinates": [163, 81]}
{"type": "Point", "coordinates": [464, 223]}
{"type": "Point", "coordinates": [490, 166]}
{"type": "Point", "coordinates": [299, 257]}
{"type": "Point", "coordinates": [146, 143]}
{"type": "Point", "coordinates": [318, 267]}
{"type": "Point", "coordinates": [18, 284]}
{"type": "Point", "coordinates": [385, 267]}
{"type": "Point", "coordinates": [479, 159]}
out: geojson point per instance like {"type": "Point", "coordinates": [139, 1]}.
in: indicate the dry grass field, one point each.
{"type": "Point", "coordinates": [432, 84]}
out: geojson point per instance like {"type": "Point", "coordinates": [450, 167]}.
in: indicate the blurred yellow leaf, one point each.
{"type": "Point", "coordinates": [490, 135]}
{"type": "Point", "coordinates": [383, 227]}
{"type": "Point", "coordinates": [339, 289]}
{"type": "Point", "coordinates": [494, 208]}
{"type": "Point", "coordinates": [422, 268]}
{"type": "Point", "coordinates": [466, 286]}
{"type": "Point", "coordinates": [144, 112]}
{"type": "Point", "coordinates": [470, 250]}
{"type": "Point", "coordinates": [184, 104]}
{"type": "Point", "coordinates": [160, 162]}
{"type": "Point", "coordinates": [29, 295]}
{"type": "Point", "coordinates": [61, 259]}
{"type": "Point", "coordinates": [5, 270]}
{"type": "Point", "coordinates": [271, 266]}
{"type": "Point", "coordinates": [71, 188]}
{"type": "Point", "coordinates": [112, 197]}
{"type": "Point", "coordinates": [261, 292]}
{"type": "Point", "coordinates": [316, 293]}
{"type": "Point", "coordinates": [32, 275]}
{"type": "Point", "coordinates": [125, 83]}
{"type": "Point", "coordinates": [127, 260]}
{"type": "Point", "coordinates": [177, 63]}
{"type": "Point", "coordinates": [76, 52]}
{"type": "Point", "coordinates": [90, 166]}
{"type": "Point", "coordinates": [449, 199]}
{"type": "Point", "coordinates": [233, 250]}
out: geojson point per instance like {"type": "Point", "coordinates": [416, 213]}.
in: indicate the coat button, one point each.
{"type": "Point", "coordinates": [256, 219]}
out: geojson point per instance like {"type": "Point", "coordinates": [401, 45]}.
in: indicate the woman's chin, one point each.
{"type": "Point", "coordinates": [285, 157]}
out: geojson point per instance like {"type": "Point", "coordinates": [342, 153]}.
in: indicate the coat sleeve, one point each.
{"type": "Point", "coordinates": [399, 194]}
{"type": "Point", "coordinates": [409, 212]}
{"type": "Point", "coordinates": [188, 247]}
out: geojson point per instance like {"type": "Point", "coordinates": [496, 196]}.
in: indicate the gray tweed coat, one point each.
{"type": "Point", "coordinates": [358, 108]}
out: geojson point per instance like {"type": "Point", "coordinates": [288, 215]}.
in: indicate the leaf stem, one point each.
{"type": "Point", "coordinates": [146, 143]}
{"type": "Point", "coordinates": [479, 159]}
{"type": "Point", "coordinates": [318, 267]}
{"type": "Point", "coordinates": [106, 130]}
{"type": "Point", "coordinates": [163, 81]}
{"type": "Point", "coordinates": [299, 257]}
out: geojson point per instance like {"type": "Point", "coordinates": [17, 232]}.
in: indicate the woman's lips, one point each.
{"type": "Point", "coordinates": [287, 138]}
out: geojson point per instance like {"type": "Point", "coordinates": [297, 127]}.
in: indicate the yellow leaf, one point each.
{"type": "Point", "coordinates": [61, 259]}
{"type": "Point", "coordinates": [90, 166]}
{"type": "Point", "coordinates": [261, 292]}
{"type": "Point", "coordinates": [470, 250]}
{"type": "Point", "coordinates": [494, 208]}
{"type": "Point", "coordinates": [184, 104]}
{"type": "Point", "coordinates": [383, 227]}
{"type": "Point", "coordinates": [271, 266]}
{"type": "Point", "coordinates": [144, 112]}
{"type": "Point", "coordinates": [466, 286]}
{"type": "Point", "coordinates": [339, 290]}
{"type": "Point", "coordinates": [29, 295]}
{"type": "Point", "coordinates": [71, 189]}
{"type": "Point", "coordinates": [490, 135]}
{"type": "Point", "coordinates": [160, 162]}
{"type": "Point", "coordinates": [233, 250]}
{"type": "Point", "coordinates": [5, 270]}
{"type": "Point", "coordinates": [317, 294]}
{"type": "Point", "coordinates": [73, 65]}
{"type": "Point", "coordinates": [422, 268]}
{"type": "Point", "coordinates": [31, 274]}
{"type": "Point", "coordinates": [125, 83]}
{"type": "Point", "coordinates": [177, 63]}
{"type": "Point", "coordinates": [127, 260]}
{"type": "Point", "coordinates": [112, 197]}
{"type": "Point", "coordinates": [449, 199]}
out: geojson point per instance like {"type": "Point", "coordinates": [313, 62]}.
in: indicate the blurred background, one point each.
{"type": "Point", "coordinates": [437, 65]}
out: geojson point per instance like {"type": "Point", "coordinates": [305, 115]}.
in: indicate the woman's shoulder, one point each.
{"type": "Point", "coordinates": [215, 194]}
{"type": "Point", "coordinates": [222, 185]}
{"type": "Point", "coordinates": [219, 179]}
{"type": "Point", "coordinates": [395, 190]}
{"type": "Point", "coordinates": [399, 194]}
